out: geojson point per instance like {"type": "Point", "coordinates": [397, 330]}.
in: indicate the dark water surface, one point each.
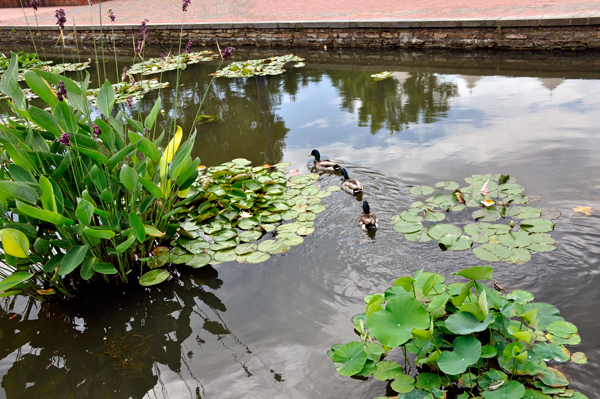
{"type": "Point", "coordinates": [262, 331]}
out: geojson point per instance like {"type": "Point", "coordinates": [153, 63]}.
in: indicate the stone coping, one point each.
{"type": "Point", "coordinates": [431, 23]}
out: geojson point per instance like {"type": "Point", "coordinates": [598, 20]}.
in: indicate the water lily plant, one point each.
{"type": "Point", "coordinates": [465, 340]}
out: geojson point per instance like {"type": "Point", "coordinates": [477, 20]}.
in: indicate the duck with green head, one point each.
{"type": "Point", "coordinates": [368, 220]}
{"type": "Point", "coordinates": [324, 164]}
{"type": "Point", "coordinates": [351, 186]}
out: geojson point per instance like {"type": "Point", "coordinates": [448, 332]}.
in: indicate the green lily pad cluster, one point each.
{"type": "Point", "coordinates": [467, 340]}
{"type": "Point", "coordinates": [171, 62]}
{"type": "Point", "coordinates": [497, 241]}
{"type": "Point", "coordinates": [382, 75]}
{"type": "Point", "coordinates": [65, 67]}
{"type": "Point", "coordinates": [261, 67]}
{"type": "Point", "coordinates": [235, 205]}
{"type": "Point", "coordinates": [124, 90]}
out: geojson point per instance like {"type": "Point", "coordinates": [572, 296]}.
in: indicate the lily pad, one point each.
{"type": "Point", "coordinates": [448, 185]}
{"type": "Point", "coordinates": [490, 214]}
{"type": "Point", "coordinates": [421, 190]}
{"type": "Point", "coordinates": [251, 235]}
{"type": "Point", "coordinates": [226, 255]}
{"type": "Point", "coordinates": [304, 231]}
{"type": "Point", "coordinates": [199, 260]}
{"type": "Point", "coordinates": [257, 257]}
{"type": "Point", "coordinates": [352, 358]}
{"type": "Point", "coordinates": [154, 277]}
{"type": "Point", "coordinates": [466, 351]}
{"type": "Point", "coordinates": [537, 225]}
{"type": "Point", "coordinates": [508, 390]}
{"type": "Point", "coordinates": [290, 239]}
{"type": "Point", "coordinates": [438, 230]}
{"type": "Point", "coordinates": [407, 227]}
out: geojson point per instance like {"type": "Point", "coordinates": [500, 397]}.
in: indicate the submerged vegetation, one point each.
{"type": "Point", "coordinates": [503, 199]}
{"type": "Point", "coordinates": [465, 339]}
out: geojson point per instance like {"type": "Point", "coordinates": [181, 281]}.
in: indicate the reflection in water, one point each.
{"type": "Point", "coordinates": [110, 342]}
{"type": "Point", "coordinates": [393, 104]}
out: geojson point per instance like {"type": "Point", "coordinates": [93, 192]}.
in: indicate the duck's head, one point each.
{"type": "Point", "coordinates": [345, 174]}
{"type": "Point", "coordinates": [366, 208]}
{"type": "Point", "coordinates": [315, 154]}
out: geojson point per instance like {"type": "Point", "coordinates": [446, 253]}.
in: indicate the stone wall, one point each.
{"type": "Point", "coordinates": [45, 3]}
{"type": "Point", "coordinates": [572, 37]}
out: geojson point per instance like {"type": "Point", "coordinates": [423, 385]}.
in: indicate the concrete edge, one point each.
{"type": "Point", "coordinates": [507, 22]}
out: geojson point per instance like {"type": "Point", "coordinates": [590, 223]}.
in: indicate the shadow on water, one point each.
{"type": "Point", "coordinates": [107, 344]}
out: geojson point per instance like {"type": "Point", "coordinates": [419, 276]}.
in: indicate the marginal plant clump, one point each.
{"type": "Point", "coordinates": [466, 339]}
{"type": "Point", "coordinates": [505, 228]}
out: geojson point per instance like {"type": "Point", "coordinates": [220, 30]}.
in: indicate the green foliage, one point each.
{"type": "Point", "coordinates": [78, 207]}
{"type": "Point", "coordinates": [465, 337]}
{"type": "Point", "coordinates": [232, 205]}
{"type": "Point", "coordinates": [171, 62]}
{"type": "Point", "coordinates": [261, 67]}
{"type": "Point", "coordinates": [490, 225]}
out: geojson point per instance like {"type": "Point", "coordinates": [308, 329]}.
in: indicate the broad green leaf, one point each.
{"type": "Point", "coordinates": [387, 370]}
{"type": "Point", "coordinates": [151, 188]}
{"type": "Point", "coordinates": [41, 88]}
{"type": "Point", "coordinates": [551, 352]}
{"type": "Point", "coordinates": [72, 259]}
{"type": "Point", "coordinates": [508, 390]}
{"type": "Point", "coordinates": [14, 242]}
{"type": "Point", "coordinates": [403, 384]}
{"type": "Point", "coordinates": [124, 246]}
{"type": "Point", "coordinates": [466, 323]}
{"type": "Point", "coordinates": [48, 199]}
{"type": "Point", "coordinates": [137, 226]}
{"type": "Point", "coordinates": [104, 234]}
{"type": "Point", "coordinates": [14, 279]}
{"type": "Point", "coordinates": [104, 268]}
{"type": "Point", "coordinates": [554, 378]}
{"type": "Point", "coordinates": [476, 273]}
{"type": "Point", "coordinates": [17, 190]}
{"type": "Point", "coordinates": [106, 99]}
{"type": "Point", "coordinates": [149, 121]}
{"type": "Point", "coordinates": [537, 225]}
{"type": "Point", "coordinates": [428, 381]}
{"type": "Point", "coordinates": [84, 212]}
{"type": "Point", "coordinates": [154, 277]}
{"type": "Point", "coordinates": [38, 213]}
{"type": "Point", "coordinates": [466, 351]}
{"type": "Point", "coordinates": [352, 356]}
{"type": "Point", "coordinates": [393, 325]}
{"type": "Point", "coordinates": [129, 178]}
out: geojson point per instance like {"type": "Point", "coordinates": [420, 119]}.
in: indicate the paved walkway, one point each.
{"type": "Point", "coordinates": [132, 12]}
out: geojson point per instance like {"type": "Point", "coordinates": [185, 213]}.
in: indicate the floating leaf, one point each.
{"type": "Point", "coordinates": [252, 235]}
{"type": "Point", "coordinates": [579, 358]}
{"type": "Point", "coordinates": [403, 384]}
{"type": "Point", "coordinates": [554, 378]}
{"type": "Point", "coordinates": [490, 214]}
{"type": "Point", "coordinates": [352, 357]}
{"type": "Point", "coordinates": [421, 190]}
{"type": "Point", "coordinates": [154, 277]}
{"type": "Point", "coordinates": [508, 390]}
{"type": "Point", "coordinates": [407, 227]}
{"type": "Point", "coordinates": [257, 257]}
{"type": "Point", "coordinates": [428, 381]}
{"type": "Point", "coordinates": [537, 225]}
{"type": "Point", "coordinates": [387, 370]}
{"type": "Point", "coordinates": [448, 185]}
{"type": "Point", "coordinates": [551, 352]}
{"type": "Point", "coordinates": [393, 325]}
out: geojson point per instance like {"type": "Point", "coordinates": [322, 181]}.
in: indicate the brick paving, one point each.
{"type": "Point", "coordinates": [132, 12]}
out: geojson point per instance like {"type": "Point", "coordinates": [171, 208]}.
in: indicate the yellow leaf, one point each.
{"type": "Point", "coordinates": [173, 145]}
{"type": "Point", "coordinates": [153, 231]}
{"type": "Point", "coordinates": [584, 209]}
{"type": "Point", "coordinates": [15, 242]}
{"type": "Point", "coordinates": [183, 193]}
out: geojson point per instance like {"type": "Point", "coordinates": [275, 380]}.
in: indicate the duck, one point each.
{"type": "Point", "coordinates": [351, 186]}
{"type": "Point", "coordinates": [324, 164]}
{"type": "Point", "coordinates": [368, 220]}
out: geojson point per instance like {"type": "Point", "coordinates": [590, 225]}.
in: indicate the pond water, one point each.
{"type": "Point", "coordinates": [262, 331]}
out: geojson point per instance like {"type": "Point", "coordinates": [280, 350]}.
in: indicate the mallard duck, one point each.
{"type": "Point", "coordinates": [368, 220]}
{"type": "Point", "coordinates": [351, 186]}
{"type": "Point", "coordinates": [324, 164]}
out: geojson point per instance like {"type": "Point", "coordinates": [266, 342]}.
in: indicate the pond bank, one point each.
{"type": "Point", "coordinates": [518, 34]}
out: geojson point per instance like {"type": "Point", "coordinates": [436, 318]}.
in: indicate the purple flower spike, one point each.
{"type": "Point", "coordinates": [227, 52]}
{"type": "Point", "coordinates": [188, 47]}
{"type": "Point", "coordinates": [110, 15]}
{"type": "Point", "coordinates": [96, 131]}
{"type": "Point", "coordinates": [185, 5]}
{"type": "Point", "coordinates": [61, 92]}
{"type": "Point", "coordinates": [124, 74]}
{"type": "Point", "coordinates": [35, 4]}
{"type": "Point", "coordinates": [60, 18]}
{"type": "Point", "coordinates": [129, 101]}
{"type": "Point", "coordinates": [144, 30]}
{"type": "Point", "coordinates": [65, 139]}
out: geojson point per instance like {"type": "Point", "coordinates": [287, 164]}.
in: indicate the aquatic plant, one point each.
{"type": "Point", "coordinates": [382, 76]}
{"type": "Point", "coordinates": [126, 91]}
{"type": "Point", "coordinates": [232, 208]}
{"type": "Point", "coordinates": [261, 67]}
{"type": "Point", "coordinates": [465, 339]}
{"type": "Point", "coordinates": [74, 206]}
{"type": "Point", "coordinates": [170, 62]}
{"type": "Point", "coordinates": [498, 241]}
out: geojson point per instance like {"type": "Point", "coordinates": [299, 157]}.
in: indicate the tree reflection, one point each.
{"type": "Point", "coordinates": [393, 104]}
{"type": "Point", "coordinates": [109, 343]}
